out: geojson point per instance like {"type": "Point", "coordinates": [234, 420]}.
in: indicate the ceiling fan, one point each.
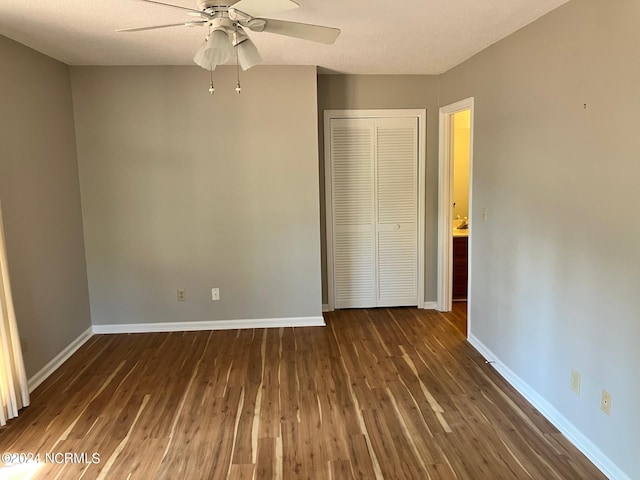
{"type": "Point", "coordinates": [227, 21]}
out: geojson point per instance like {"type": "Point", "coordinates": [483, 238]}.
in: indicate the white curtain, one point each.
{"type": "Point", "coordinates": [14, 391]}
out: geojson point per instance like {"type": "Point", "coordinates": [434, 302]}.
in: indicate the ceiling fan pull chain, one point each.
{"type": "Point", "coordinates": [238, 87]}
{"type": "Point", "coordinates": [212, 89]}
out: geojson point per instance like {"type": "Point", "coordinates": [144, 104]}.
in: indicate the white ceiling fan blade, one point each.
{"type": "Point", "coordinates": [171, 6]}
{"type": "Point", "coordinates": [183, 24]}
{"type": "Point", "coordinates": [305, 31]}
{"type": "Point", "coordinates": [256, 8]}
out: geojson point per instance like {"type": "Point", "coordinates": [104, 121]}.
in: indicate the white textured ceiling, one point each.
{"type": "Point", "coordinates": [378, 36]}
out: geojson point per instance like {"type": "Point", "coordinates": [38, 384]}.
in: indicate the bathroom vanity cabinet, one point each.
{"type": "Point", "coordinates": [460, 267]}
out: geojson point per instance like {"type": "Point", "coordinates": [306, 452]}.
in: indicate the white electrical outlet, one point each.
{"type": "Point", "coordinates": [215, 294]}
{"type": "Point", "coordinates": [605, 404]}
{"type": "Point", "coordinates": [575, 381]}
{"type": "Point", "coordinates": [182, 295]}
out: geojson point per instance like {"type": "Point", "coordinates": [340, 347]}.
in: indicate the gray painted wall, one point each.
{"type": "Point", "coordinates": [184, 190]}
{"type": "Point", "coordinates": [339, 92]}
{"type": "Point", "coordinates": [556, 267]}
{"type": "Point", "coordinates": [41, 203]}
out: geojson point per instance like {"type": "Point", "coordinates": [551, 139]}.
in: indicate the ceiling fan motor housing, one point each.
{"type": "Point", "coordinates": [222, 23]}
{"type": "Point", "coordinates": [204, 4]}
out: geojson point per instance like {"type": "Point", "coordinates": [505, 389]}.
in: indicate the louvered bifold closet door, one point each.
{"type": "Point", "coordinates": [354, 249]}
{"type": "Point", "coordinates": [397, 211]}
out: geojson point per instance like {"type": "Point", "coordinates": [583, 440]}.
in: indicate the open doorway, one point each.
{"type": "Point", "coordinates": [455, 219]}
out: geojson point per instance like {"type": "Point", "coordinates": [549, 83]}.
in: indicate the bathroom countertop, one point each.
{"type": "Point", "coordinates": [460, 233]}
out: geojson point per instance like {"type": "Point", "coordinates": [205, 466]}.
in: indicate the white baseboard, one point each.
{"type": "Point", "coordinates": [425, 306]}
{"type": "Point", "coordinates": [575, 436]}
{"type": "Point", "coordinates": [59, 359]}
{"type": "Point", "coordinates": [210, 325]}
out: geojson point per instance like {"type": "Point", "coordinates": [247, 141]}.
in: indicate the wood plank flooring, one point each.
{"type": "Point", "coordinates": [383, 393]}
{"type": "Point", "coordinates": [458, 316]}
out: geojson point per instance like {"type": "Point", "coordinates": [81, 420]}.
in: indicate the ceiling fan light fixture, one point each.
{"type": "Point", "coordinates": [215, 50]}
{"type": "Point", "coordinates": [248, 54]}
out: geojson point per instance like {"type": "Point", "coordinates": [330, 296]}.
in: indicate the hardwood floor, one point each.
{"type": "Point", "coordinates": [384, 393]}
{"type": "Point", "coordinates": [458, 316]}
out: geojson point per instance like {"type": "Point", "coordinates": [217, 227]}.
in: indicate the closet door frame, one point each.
{"type": "Point", "coordinates": [420, 115]}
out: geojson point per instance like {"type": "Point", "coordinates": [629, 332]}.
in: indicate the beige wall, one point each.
{"type": "Point", "coordinates": [461, 157]}
{"type": "Point", "coordinates": [338, 92]}
{"type": "Point", "coordinates": [41, 203]}
{"type": "Point", "coordinates": [555, 269]}
{"type": "Point", "coordinates": [184, 190]}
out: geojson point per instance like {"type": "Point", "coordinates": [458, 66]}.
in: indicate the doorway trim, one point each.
{"type": "Point", "coordinates": [445, 209]}
{"type": "Point", "coordinates": [421, 116]}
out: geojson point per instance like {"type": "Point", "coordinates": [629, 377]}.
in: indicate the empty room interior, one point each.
{"type": "Point", "coordinates": [294, 239]}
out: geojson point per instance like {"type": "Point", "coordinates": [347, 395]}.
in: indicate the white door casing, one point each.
{"type": "Point", "coordinates": [445, 189]}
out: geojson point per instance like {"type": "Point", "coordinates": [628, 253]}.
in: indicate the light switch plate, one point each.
{"type": "Point", "coordinates": [575, 381]}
